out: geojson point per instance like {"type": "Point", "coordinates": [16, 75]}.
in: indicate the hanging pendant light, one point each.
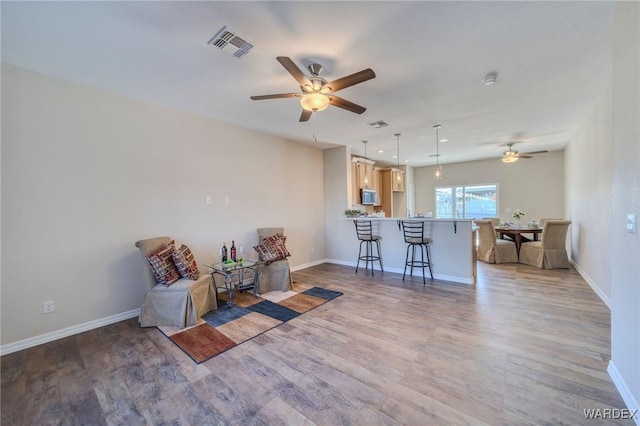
{"type": "Point", "coordinates": [397, 135]}
{"type": "Point", "coordinates": [366, 175]}
{"type": "Point", "coordinates": [438, 170]}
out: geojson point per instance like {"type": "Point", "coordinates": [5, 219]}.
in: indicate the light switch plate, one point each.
{"type": "Point", "coordinates": [631, 223]}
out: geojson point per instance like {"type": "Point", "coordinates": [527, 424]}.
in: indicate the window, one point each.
{"type": "Point", "coordinates": [471, 201]}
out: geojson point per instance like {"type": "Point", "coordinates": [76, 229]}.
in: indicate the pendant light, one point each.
{"type": "Point", "coordinates": [366, 175]}
{"type": "Point", "coordinates": [397, 135]}
{"type": "Point", "coordinates": [438, 170]}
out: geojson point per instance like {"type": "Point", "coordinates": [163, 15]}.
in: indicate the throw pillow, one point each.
{"type": "Point", "coordinates": [271, 249]}
{"type": "Point", "coordinates": [161, 262]}
{"type": "Point", "coordinates": [186, 263]}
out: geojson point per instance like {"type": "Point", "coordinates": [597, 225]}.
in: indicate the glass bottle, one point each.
{"type": "Point", "coordinates": [233, 250]}
{"type": "Point", "coordinates": [223, 252]}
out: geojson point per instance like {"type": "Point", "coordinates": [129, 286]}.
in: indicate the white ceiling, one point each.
{"type": "Point", "coordinates": [553, 61]}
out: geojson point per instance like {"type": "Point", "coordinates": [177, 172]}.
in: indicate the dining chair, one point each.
{"type": "Point", "coordinates": [544, 219]}
{"type": "Point", "coordinates": [551, 251]}
{"type": "Point", "coordinates": [493, 250]}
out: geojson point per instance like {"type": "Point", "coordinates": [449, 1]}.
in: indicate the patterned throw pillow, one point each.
{"type": "Point", "coordinates": [161, 262]}
{"type": "Point", "coordinates": [271, 249]}
{"type": "Point", "coordinates": [186, 263]}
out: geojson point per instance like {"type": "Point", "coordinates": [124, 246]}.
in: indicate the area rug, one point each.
{"type": "Point", "coordinates": [222, 329]}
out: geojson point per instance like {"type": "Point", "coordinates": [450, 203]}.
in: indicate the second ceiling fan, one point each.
{"type": "Point", "coordinates": [511, 155]}
{"type": "Point", "coordinates": [316, 93]}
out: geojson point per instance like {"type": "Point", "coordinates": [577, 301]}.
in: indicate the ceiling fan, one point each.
{"type": "Point", "coordinates": [317, 94]}
{"type": "Point", "coordinates": [511, 155]}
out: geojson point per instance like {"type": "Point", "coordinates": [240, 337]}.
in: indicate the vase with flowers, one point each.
{"type": "Point", "coordinates": [517, 214]}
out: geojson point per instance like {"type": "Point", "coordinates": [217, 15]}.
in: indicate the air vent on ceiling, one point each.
{"type": "Point", "coordinates": [230, 43]}
{"type": "Point", "coordinates": [378, 124]}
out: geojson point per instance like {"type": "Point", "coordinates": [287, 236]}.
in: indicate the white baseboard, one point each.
{"type": "Point", "coordinates": [592, 284]}
{"type": "Point", "coordinates": [461, 280]}
{"type": "Point", "coordinates": [623, 389]}
{"type": "Point", "coordinates": [65, 332]}
{"type": "Point", "coordinates": [308, 265]}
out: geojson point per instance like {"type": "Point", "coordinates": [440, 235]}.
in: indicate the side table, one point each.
{"type": "Point", "coordinates": [233, 275]}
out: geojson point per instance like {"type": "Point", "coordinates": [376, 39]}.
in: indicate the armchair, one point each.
{"type": "Point", "coordinates": [181, 303]}
{"type": "Point", "coordinates": [276, 275]}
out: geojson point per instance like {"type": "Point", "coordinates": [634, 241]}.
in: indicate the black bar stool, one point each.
{"type": "Point", "coordinates": [364, 230]}
{"type": "Point", "coordinates": [414, 237]}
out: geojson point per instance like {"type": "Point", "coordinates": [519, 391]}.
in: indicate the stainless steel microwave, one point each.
{"type": "Point", "coordinates": [368, 197]}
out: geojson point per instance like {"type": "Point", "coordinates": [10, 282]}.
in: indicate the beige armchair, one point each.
{"type": "Point", "coordinates": [550, 252]}
{"type": "Point", "coordinates": [276, 275]}
{"type": "Point", "coordinates": [492, 250]}
{"type": "Point", "coordinates": [181, 303]}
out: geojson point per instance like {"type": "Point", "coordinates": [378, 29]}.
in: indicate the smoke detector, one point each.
{"type": "Point", "coordinates": [230, 43]}
{"type": "Point", "coordinates": [490, 78]}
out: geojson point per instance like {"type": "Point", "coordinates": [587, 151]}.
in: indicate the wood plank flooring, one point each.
{"type": "Point", "coordinates": [522, 346]}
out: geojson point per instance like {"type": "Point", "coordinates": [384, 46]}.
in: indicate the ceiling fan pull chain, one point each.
{"type": "Point", "coordinates": [315, 126]}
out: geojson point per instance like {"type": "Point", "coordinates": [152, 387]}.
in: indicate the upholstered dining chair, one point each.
{"type": "Point", "coordinates": [496, 222]}
{"type": "Point", "coordinates": [551, 251]}
{"type": "Point", "coordinates": [544, 219]}
{"type": "Point", "coordinates": [179, 304]}
{"type": "Point", "coordinates": [491, 249]}
{"type": "Point", "coordinates": [275, 275]}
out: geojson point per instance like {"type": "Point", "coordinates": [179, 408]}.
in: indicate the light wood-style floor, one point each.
{"type": "Point", "coordinates": [522, 346]}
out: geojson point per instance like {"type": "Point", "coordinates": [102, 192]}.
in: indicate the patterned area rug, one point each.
{"type": "Point", "coordinates": [224, 328]}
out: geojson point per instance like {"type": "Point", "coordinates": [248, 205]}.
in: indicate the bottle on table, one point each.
{"type": "Point", "coordinates": [223, 252]}
{"type": "Point", "coordinates": [233, 250]}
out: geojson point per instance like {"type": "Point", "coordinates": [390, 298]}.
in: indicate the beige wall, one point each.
{"type": "Point", "coordinates": [533, 185]}
{"type": "Point", "coordinates": [588, 194]}
{"type": "Point", "coordinates": [625, 199]}
{"type": "Point", "coordinates": [87, 173]}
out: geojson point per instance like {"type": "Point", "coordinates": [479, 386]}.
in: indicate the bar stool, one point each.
{"type": "Point", "coordinates": [364, 230]}
{"type": "Point", "coordinates": [414, 237]}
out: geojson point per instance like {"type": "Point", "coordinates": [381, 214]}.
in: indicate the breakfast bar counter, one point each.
{"type": "Point", "coordinates": [453, 255]}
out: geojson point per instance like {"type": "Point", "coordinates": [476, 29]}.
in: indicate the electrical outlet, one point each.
{"type": "Point", "coordinates": [47, 307]}
{"type": "Point", "coordinates": [207, 199]}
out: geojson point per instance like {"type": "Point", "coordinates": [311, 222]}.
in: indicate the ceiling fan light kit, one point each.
{"type": "Point", "coordinates": [314, 102]}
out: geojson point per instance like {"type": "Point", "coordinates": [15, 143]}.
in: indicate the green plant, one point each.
{"type": "Point", "coordinates": [352, 213]}
{"type": "Point", "coordinates": [517, 214]}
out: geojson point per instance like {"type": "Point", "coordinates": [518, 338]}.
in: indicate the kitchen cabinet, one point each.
{"type": "Point", "coordinates": [363, 176]}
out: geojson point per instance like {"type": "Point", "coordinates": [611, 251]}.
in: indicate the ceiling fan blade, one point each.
{"type": "Point", "coordinates": [345, 104]}
{"type": "Point", "coordinates": [350, 80]}
{"type": "Point", "coordinates": [293, 69]}
{"type": "Point", "coordinates": [305, 115]}
{"type": "Point", "coordinates": [535, 152]}
{"type": "Point", "coordinates": [524, 156]}
{"type": "Point", "coordinates": [276, 96]}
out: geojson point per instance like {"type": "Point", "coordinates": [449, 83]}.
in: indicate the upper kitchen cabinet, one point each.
{"type": "Point", "coordinates": [363, 176]}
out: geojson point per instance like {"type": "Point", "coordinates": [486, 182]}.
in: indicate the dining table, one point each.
{"type": "Point", "coordinates": [515, 234]}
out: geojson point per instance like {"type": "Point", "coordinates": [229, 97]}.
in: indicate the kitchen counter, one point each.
{"type": "Point", "coordinates": [453, 255]}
